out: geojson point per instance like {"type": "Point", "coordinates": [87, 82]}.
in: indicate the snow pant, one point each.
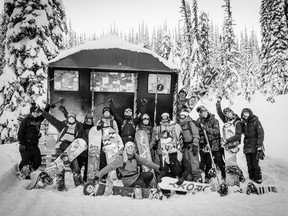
{"type": "Point", "coordinates": [254, 169]}
{"type": "Point", "coordinates": [143, 180]}
{"type": "Point", "coordinates": [31, 156]}
{"type": "Point", "coordinates": [194, 162]}
{"type": "Point", "coordinates": [218, 160]}
{"type": "Point", "coordinates": [83, 161]}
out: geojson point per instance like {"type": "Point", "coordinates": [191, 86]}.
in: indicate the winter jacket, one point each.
{"type": "Point", "coordinates": [62, 127]}
{"type": "Point", "coordinates": [189, 131]}
{"type": "Point", "coordinates": [177, 164]}
{"type": "Point", "coordinates": [253, 132]}
{"type": "Point", "coordinates": [128, 170]}
{"type": "Point", "coordinates": [29, 131]}
{"type": "Point", "coordinates": [211, 125]}
{"type": "Point", "coordinates": [107, 122]}
{"type": "Point", "coordinates": [236, 122]}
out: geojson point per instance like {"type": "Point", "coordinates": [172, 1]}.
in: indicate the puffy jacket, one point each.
{"type": "Point", "coordinates": [128, 170]}
{"type": "Point", "coordinates": [29, 130]}
{"type": "Point", "coordinates": [211, 125]}
{"type": "Point", "coordinates": [253, 132]}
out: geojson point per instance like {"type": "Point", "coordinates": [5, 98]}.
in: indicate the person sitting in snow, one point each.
{"type": "Point", "coordinates": [253, 144]}
{"type": "Point", "coordinates": [128, 123]}
{"type": "Point", "coordinates": [127, 162]}
{"type": "Point", "coordinates": [175, 165]}
{"type": "Point", "coordinates": [69, 129]}
{"type": "Point", "coordinates": [28, 137]}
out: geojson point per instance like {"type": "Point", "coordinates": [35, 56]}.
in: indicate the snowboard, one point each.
{"type": "Point", "coordinates": [230, 151]}
{"type": "Point", "coordinates": [43, 178]}
{"type": "Point", "coordinates": [252, 188]}
{"type": "Point", "coordinates": [143, 147]}
{"type": "Point", "coordinates": [24, 173]}
{"type": "Point", "coordinates": [164, 152]}
{"type": "Point", "coordinates": [169, 183]}
{"type": "Point", "coordinates": [94, 147]}
{"type": "Point", "coordinates": [112, 143]}
{"type": "Point", "coordinates": [101, 189]}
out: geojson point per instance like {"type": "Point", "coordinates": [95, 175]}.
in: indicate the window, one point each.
{"type": "Point", "coordinates": [112, 82]}
{"type": "Point", "coordinates": [66, 80]}
{"type": "Point", "coordinates": [163, 83]}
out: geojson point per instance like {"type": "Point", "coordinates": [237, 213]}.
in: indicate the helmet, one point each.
{"type": "Point", "coordinates": [130, 147]}
{"type": "Point", "coordinates": [106, 109]}
{"type": "Point", "coordinates": [226, 110]}
{"type": "Point", "coordinates": [165, 115]}
{"type": "Point", "coordinates": [184, 91]}
{"type": "Point", "coordinates": [145, 116]}
{"type": "Point", "coordinates": [201, 108]}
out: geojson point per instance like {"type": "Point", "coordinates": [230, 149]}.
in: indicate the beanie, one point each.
{"type": "Point", "coordinates": [33, 108]}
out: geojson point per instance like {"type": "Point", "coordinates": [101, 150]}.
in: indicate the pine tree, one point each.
{"type": "Point", "coordinates": [34, 36]}
{"type": "Point", "coordinates": [3, 29]}
{"type": "Point", "coordinates": [229, 56]}
{"type": "Point", "coordinates": [274, 31]}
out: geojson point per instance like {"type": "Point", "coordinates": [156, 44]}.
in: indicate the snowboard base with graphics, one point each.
{"type": "Point", "coordinates": [169, 183]}
{"type": "Point", "coordinates": [143, 147]}
{"type": "Point", "coordinates": [101, 189]}
{"type": "Point", "coordinates": [94, 147]}
{"type": "Point", "coordinates": [44, 178]}
{"type": "Point", "coordinates": [232, 170]}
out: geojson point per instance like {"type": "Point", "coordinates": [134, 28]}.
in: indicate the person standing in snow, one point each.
{"type": "Point", "coordinates": [191, 138]}
{"type": "Point", "coordinates": [227, 116]}
{"type": "Point", "coordinates": [69, 129]}
{"type": "Point", "coordinates": [127, 162]}
{"type": "Point", "coordinates": [211, 125]}
{"type": "Point", "coordinates": [28, 137]}
{"type": "Point", "coordinates": [253, 144]}
{"type": "Point", "coordinates": [128, 123]}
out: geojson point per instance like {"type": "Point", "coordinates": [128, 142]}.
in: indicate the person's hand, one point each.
{"type": "Point", "coordinates": [143, 101]}
{"type": "Point", "coordinates": [110, 100]}
{"type": "Point", "coordinates": [22, 148]}
{"type": "Point", "coordinates": [180, 181]}
{"type": "Point", "coordinates": [159, 179]}
{"type": "Point", "coordinates": [219, 98]}
{"type": "Point", "coordinates": [260, 155]}
{"type": "Point", "coordinates": [96, 179]}
{"type": "Point", "coordinates": [194, 150]}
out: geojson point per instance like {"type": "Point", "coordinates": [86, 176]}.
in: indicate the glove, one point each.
{"type": "Point", "coordinates": [155, 147]}
{"type": "Point", "coordinates": [22, 148]}
{"type": "Point", "coordinates": [159, 179]}
{"type": "Point", "coordinates": [260, 154]}
{"type": "Point", "coordinates": [180, 181]}
{"type": "Point", "coordinates": [161, 168]}
{"type": "Point", "coordinates": [110, 100]}
{"type": "Point", "coordinates": [219, 98]}
{"type": "Point", "coordinates": [194, 150]}
{"type": "Point", "coordinates": [63, 110]}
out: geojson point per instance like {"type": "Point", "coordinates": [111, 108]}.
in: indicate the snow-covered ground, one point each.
{"type": "Point", "coordinates": [15, 200]}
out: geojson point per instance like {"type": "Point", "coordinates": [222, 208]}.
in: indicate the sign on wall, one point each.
{"type": "Point", "coordinates": [112, 82]}
{"type": "Point", "coordinates": [66, 80]}
{"type": "Point", "coordinates": [163, 83]}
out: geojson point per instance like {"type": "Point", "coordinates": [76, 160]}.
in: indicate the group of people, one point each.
{"type": "Point", "coordinates": [178, 148]}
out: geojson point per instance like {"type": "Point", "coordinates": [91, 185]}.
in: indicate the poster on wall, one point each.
{"type": "Point", "coordinates": [163, 84]}
{"type": "Point", "coordinates": [66, 80]}
{"type": "Point", "coordinates": [112, 82]}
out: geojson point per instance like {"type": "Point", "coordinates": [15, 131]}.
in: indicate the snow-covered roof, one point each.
{"type": "Point", "coordinates": [112, 42]}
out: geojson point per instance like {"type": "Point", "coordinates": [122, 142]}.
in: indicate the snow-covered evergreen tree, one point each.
{"type": "Point", "coordinates": [34, 36]}
{"type": "Point", "coordinates": [229, 56]}
{"type": "Point", "coordinates": [3, 29]}
{"type": "Point", "coordinates": [274, 49]}
{"type": "Point", "coordinates": [165, 47]}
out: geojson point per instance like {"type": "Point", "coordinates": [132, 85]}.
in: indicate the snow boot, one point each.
{"type": "Point", "coordinates": [223, 189]}
{"type": "Point", "coordinates": [137, 193]}
{"type": "Point", "coordinates": [60, 181]}
{"type": "Point", "coordinates": [251, 189]}
{"type": "Point", "coordinates": [77, 179]}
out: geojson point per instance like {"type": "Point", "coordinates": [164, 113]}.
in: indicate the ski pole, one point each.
{"type": "Point", "coordinates": [210, 152]}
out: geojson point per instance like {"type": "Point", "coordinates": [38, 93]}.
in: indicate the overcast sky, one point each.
{"type": "Point", "coordinates": [95, 15]}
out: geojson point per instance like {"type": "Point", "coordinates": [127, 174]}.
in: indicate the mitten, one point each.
{"type": "Point", "coordinates": [260, 154]}
{"type": "Point", "coordinates": [96, 178]}
{"type": "Point", "coordinates": [180, 181]}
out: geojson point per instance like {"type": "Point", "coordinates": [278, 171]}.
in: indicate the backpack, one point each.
{"type": "Point", "coordinates": [187, 132]}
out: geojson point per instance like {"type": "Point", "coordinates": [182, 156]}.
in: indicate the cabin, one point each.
{"type": "Point", "coordinates": [86, 76]}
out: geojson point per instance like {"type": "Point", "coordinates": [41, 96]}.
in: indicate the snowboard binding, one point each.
{"type": "Point", "coordinates": [251, 189]}
{"type": "Point", "coordinates": [90, 189]}
{"type": "Point", "coordinates": [137, 193]}
{"type": "Point", "coordinates": [45, 178]}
